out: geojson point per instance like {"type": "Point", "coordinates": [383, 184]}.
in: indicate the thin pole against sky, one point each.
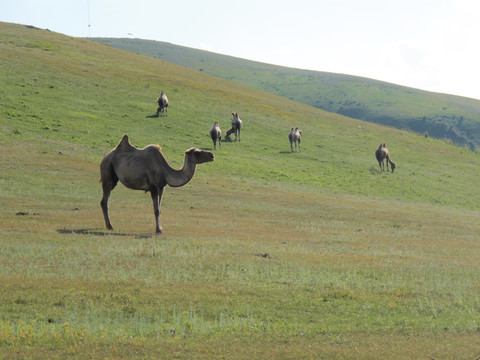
{"type": "Point", "coordinates": [88, 11]}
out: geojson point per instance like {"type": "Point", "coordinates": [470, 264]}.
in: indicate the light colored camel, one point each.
{"type": "Point", "coordinates": [162, 104]}
{"type": "Point", "coordinates": [145, 169]}
{"type": "Point", "coordinates": [295, 136]}
{"type": "Point", "coordinates": [236, 126]}
{"type": "Point", "coordinates": [383, 155]}
{"type": "Point", "coordinates": [216, 134]}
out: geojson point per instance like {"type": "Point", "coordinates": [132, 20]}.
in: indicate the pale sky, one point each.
{"type": "Point", "coordinates": [426, 44]}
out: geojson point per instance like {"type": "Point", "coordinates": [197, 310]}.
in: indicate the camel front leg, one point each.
{"type": "Point", "coordinates": [157, 200]}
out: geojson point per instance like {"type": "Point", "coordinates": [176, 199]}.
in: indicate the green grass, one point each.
{"type": "Point", "coordinates": [437, 115]}
{"type": "Point", "coordinates": [361, 264]}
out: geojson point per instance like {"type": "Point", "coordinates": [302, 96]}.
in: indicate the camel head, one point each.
{"type": "Point", "coordinates": [198, 156]}
{"type": "Point", "coordinates": [393, 166]}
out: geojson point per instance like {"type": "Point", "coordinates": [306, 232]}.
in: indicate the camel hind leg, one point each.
{"type": "Point", "coordinates": [104, 205]}
{"type": "Point", "coordinates": [380, 163]}
{"type": "Point", "coordinates": [107, 189]}
{"type": "Point", "coordinates": [109, 181]}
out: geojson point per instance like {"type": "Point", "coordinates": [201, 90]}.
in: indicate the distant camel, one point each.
{"type": "Point", "coordinates": [162, 104]}
{"type": "Point", "coordinates": [145, 169]}
{"type": "Point", "coordinates": [295, 136]}
{"type": "Point", "coordinates": [216, 134]}
{"type": "Point", "coordinates": [383, 154]}
{"type": "Point", "coordinates": [236, 126]}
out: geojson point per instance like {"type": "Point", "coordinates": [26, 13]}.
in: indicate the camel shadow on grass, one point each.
{"type": "Point", "coordinates": [374, 171]}
{"type": "Point", "coordinates": [100, 233]}
{"type": "Point", "coordinates": [154, 116]}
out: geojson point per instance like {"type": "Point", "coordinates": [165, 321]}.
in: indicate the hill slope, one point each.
{"type": "Point", "coordinates": [91, 94]}
{"type": "Point", "coordinates": [438, 115]}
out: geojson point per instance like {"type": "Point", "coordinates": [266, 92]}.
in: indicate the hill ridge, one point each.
{"type": "Point", "coordinates": [432, 114]}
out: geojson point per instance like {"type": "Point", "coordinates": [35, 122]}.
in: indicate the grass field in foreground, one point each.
{"type": "Point", "coordinates": [266, 254]}
{"type": "Point", "coordinates": [341, 278]}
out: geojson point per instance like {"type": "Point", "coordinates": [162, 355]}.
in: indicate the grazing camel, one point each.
{"type": "Point", "coordinates": [295, 136]}
{"type": "Point", "coordinates": [216, 134]}
{"type": "Point", "coordinates": [162, 104]}
{"type": "Point", "coordinates": [383, 154]}
{"type": "Point", "coordinates": [236, 126]}
{"type": "Point", "coordinates": [145, 169]}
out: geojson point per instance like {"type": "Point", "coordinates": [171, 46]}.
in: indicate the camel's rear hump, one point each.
{"type": "Point", "coordinates": [124, 145]}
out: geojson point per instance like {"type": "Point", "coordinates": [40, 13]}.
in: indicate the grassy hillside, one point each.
{"type": "Point", "coordinates": [438, 115]}
{"type": "Point", "coordinates": [265, 253]}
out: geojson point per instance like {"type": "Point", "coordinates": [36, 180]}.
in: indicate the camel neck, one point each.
{"type": "Point", "coordinates": [176, 178]}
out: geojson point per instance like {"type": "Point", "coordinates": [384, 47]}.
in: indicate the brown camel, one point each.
{"type": "Point", "coordinates": [295, 136]}
{"type": "Point", "coordinates": [145, 169]}
{"type": "Point", "coordinates": [216, 134]}
{"type": "Point", "coordinates": [236, 126]}
{"type": "Point", "coordinates": [162, 102]}
{"type": "Point", "coordinates": [383, 154]}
